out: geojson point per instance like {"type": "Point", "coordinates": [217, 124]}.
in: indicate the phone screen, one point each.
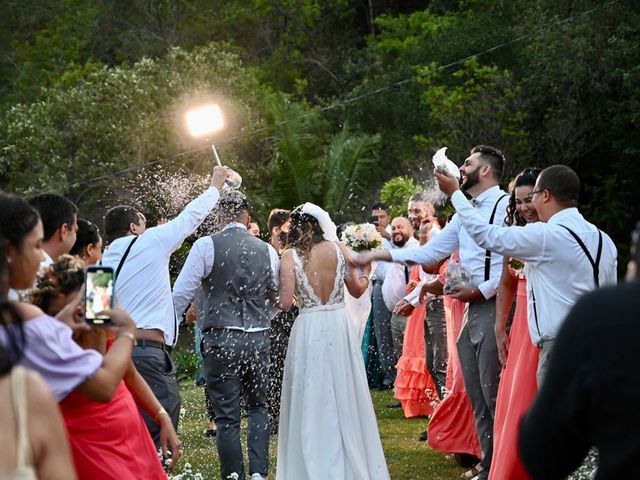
{"type": "Point", "coordinates": [98, 298]}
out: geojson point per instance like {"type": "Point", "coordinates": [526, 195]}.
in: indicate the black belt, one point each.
{"type": "Point", "coordinates": [144, 343]}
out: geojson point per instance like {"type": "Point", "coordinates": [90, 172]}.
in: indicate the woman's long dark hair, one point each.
{"type": "Point", "coordinates": [17, 218]}
{"type": "Point", "coordinates": [88, 234]}
{"type": "Point", "coordinates": [12, 346]}
{"type": "Point", "coordinates": [304, 232]}
{"type": "Point", "coordinates": [527, 178]}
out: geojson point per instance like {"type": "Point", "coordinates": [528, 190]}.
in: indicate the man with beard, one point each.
{"type": "Point", "coordinates": [481, 173]}
{"type": "Point", "coordinates": [422, 214]}
{"type": "Point", "coordinates": [395, 283]}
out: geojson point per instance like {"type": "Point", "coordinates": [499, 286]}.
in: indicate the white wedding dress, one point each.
{"type": "Point", "coordinates": [328, 428]}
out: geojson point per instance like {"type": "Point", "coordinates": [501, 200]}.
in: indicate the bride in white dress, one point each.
{"type": "Point", "coordinates": [328, 427]}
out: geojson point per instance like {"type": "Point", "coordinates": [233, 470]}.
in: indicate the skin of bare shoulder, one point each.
{"type": "Point", "coordinates": [28, 311]}
{"type": "Point", "coordinates": [48, 438]}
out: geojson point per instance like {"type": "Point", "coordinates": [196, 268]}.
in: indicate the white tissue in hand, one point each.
{"type": "Point", "coordinates": [441, 161]}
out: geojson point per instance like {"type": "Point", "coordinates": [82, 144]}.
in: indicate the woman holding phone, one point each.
{"type": "Point", "coordinates": [51, 350]}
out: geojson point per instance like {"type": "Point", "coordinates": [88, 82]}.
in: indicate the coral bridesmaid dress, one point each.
{"type": "Point", "coordinates": [517, 390]}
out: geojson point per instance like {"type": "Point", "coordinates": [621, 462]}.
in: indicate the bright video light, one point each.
{"type": "Point", "coordinates": [202, 121]}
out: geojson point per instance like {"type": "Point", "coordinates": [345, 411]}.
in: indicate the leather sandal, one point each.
{"type": "Point", "coordinates": [470, 474]}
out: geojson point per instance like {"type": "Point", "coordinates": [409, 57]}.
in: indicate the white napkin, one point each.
{"type": "Point", "coordinates": [441, 162]}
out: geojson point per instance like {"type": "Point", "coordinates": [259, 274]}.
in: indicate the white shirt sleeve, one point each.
{"type": "Point", "coordinates": [526, 243]}
{"type": "Point", "coordinates": [413, 297]}
{"type": "Point", "coordinates": [275, 265]}
{"type": "Point", "coordinates": [173, 233]}
{"type": "Point", "coordinates": [437, 249]}
{"type": "Point", "coordinates": [198, 265]}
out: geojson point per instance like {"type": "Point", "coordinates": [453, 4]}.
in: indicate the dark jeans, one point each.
{"type": "Point", "coordinates": [478, 354]}
{"type": "Point", "coordinates": [236, 365]}
{"type": "Point", "coordinates": [384, 337]}
{"type": "Point", "coordinates": [157, 368]}
{"type": "Point", "coordinates": [435, 337]}
{"type": "Point", "coordinates": [279, 341]}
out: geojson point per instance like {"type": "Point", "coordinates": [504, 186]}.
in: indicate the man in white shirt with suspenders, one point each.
{"type": "Point", "coordinates": [140, 259]}
{"type": "Point", "coordinates": [565, 255]}
{"type": "Point", "coordinates": [477, 349]}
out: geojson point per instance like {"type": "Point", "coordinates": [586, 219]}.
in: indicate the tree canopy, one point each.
{"type": "Point", "coordinates": [325, 100]}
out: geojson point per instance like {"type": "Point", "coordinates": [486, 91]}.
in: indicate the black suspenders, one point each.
{"type": "Point", "coordinates": [487, 253]}
{"type": "Point", "coordinates": [595, 265]}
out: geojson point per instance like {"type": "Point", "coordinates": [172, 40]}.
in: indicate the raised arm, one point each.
{"type": "Point", "coordinates": [174, 232]}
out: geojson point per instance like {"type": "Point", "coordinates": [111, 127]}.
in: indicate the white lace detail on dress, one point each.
{"type": "Point", "coordinates": [307, 297]}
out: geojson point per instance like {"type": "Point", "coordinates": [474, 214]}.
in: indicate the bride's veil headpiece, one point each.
{"type": "Point", "coordinates": [324, 220]}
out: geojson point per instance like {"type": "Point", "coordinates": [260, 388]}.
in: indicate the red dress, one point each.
{"type": "Point", "coordinates": [414, 386]}
{"type": "Point", "coordinates": [109, 441]}
{"type": "Point", "coordinates": [516, 392]}
{"type": "Point", "coordinates": [452, 428]}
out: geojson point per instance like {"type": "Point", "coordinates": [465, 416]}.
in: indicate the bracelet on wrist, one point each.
{"type": "Point", "coordinates": [129, 335]}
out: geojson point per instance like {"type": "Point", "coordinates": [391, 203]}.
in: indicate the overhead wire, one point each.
{"type": "Point", "coordinates": [347, 101]}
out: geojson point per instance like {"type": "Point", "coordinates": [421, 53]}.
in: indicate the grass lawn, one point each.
{"type": "Point", "coordinates": [408, 459]}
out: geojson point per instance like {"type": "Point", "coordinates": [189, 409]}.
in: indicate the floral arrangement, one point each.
{"type": "Point", "coordinates": [363, 236]}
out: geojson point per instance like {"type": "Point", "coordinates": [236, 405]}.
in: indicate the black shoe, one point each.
{"type": "Point", "coordinates": [424, 436]}
{"type": "Point", "coordinates": [210, 432]}
{"type": "Point", "coordinates": [394, 405]}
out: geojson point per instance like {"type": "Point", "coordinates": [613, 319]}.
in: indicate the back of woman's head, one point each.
{"type": "Point", "coordinates": [12, 338]}
{"type": "Point", "coordinates": [526, 178]}
{"type": "Point", "coordinates": [62, 278]}
{"type": "Point", "coordinates": [87, 234]}
{"type": "Point", "coordinates": [17, 218]}
{"type": "Point", "coordinates": [304, 231]}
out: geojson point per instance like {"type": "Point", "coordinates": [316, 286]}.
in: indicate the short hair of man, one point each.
{"type": "Point", "coordinates": [562, 182]}
{"type": "Point", "coordinates": [493, 157]}
{"type": "Point", "coordinates": [277, 218]}
{"type": "Point", "coordinates": [419, 197]}
{"type": "Point", "coordinates": [231, 206]}
{"type": "Point", "coordinates": [380, 206]}
{"type": "Point", "coordinates": [54, 210]}
{"type": "Point", "coordinates": [117, 221]}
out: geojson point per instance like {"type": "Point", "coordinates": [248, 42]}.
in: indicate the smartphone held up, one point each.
{"type": "Point", "coordinates": [98, 294]}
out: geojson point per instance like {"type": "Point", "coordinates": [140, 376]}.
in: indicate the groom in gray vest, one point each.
{"type": "Point", "coordinates": [237, 273]}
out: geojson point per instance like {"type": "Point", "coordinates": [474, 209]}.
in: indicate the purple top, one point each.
{"type": "Point", "coordinates": [52, 353]}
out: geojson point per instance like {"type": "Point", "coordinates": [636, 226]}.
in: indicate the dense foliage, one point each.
{"type": "Point", "coordinates": [325, 100]}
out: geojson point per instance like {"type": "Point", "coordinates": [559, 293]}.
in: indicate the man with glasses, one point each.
{"type": "Point", "coordinates": [565, 255]}
{"type": "Point", "coordinates": [481, 172]}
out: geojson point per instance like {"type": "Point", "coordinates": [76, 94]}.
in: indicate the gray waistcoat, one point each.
{"type": "Point", "coordinates": [235, 291]}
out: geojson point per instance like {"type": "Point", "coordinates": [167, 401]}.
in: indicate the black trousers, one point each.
{"type": "Point", "coordinates": [157, 368]}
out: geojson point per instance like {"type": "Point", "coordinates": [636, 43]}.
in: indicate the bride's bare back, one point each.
{"type": "Point", "coordinates": [320, 266]}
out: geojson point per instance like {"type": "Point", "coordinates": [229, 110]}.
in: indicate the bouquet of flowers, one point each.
{"type": "Point", "coordinates": [456, 275]}
{"type": "Point", "coordinates": [363, 236]}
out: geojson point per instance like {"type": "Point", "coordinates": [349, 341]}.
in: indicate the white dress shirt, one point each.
{"type": "Point", "coordinates": [413, 297]}
{"type": "Point", "coordinates": [199, 265]}
{"type": "Point", "coordinates": [557, 269]}
{"type": "Point", "coordinates": [454, 237]}
{"type": "Point", "coordinates": [143, 287]}
{"type": "Point", "coordinates": [395, 281]}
